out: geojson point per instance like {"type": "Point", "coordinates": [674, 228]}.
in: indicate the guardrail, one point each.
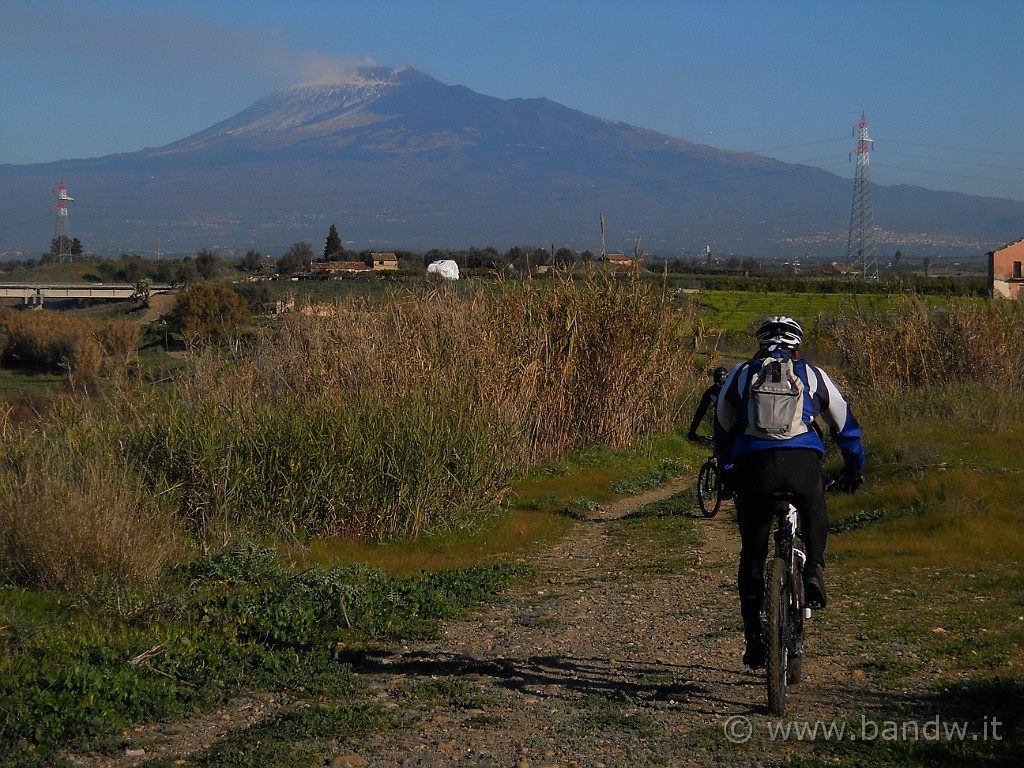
{"type": "Point", "coordinates": [37, 293]}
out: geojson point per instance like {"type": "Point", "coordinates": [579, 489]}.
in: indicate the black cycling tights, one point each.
{"type": "Point", "coordinates": [798, 471]}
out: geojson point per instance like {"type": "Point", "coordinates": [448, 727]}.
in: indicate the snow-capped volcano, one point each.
{"type": "Point", "coordinates": [397, 159]}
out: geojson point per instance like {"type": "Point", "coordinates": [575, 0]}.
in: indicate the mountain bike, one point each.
{"type": "Point", "coordinates": [709, 487]}
{"type": "Point", "coordinates": [784, 610]}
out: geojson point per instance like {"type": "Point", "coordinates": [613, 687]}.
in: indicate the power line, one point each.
{"type": "Point", "coordinates": [955, 162]}
{"type": "Point", "coordinates": [956, 149]}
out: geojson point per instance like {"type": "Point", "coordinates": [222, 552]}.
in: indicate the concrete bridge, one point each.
{"type": "Point", "coordinates": [37, 293]}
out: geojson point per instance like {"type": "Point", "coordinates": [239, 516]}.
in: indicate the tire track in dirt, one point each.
{"type": "Point", "coordinates": [595, 663]}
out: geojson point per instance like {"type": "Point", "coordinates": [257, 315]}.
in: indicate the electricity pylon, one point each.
{"type": "Point", "coordinates": [860, 247]}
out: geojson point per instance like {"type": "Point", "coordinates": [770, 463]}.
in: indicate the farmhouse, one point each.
{"type": "Point", "coordinates": [387, 262]}
{"type": "Point", "coordinates": [621, 261]}
{"type": "Point", "coordinates": [337, 267]}
{"type": "Point", "coordinates": [1005, 275]}
{"type": "Point", "coordinates": [378, 262]}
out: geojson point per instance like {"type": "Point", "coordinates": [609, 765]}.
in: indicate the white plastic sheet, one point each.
{"type": "Point", "coordinates": [445, 268]}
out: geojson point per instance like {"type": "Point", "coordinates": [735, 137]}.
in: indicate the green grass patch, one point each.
{"type": "Point", "coordinates": [296, 738]}
{"type": "Point", "coordinates": [455, 693]}
{"type": "Point", "coordinates": [510, 536]}
{"type": "Point", "coordinates": [739, 311]}
{"type": "Point", "coordinates": [20, 385]}
{"type": "Point", "coordinates": [927, 621]}
{"type": "Point", "coordinates": [950, 517]}
{"type": "Point", "coordinates": [603, 474]}
{"type": "Point", "coordinates": [73, 677]}
{"type": "Point", "coordinates": [620, 713]}
{"type": "Point", "coordinates": [943, 479]}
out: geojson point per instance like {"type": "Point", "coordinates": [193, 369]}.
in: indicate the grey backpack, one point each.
{"type": "Point", "coordinates": [775, 404]}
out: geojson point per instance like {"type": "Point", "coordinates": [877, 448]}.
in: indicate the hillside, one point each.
{"type": "Point", "coordinates": [398, 159]}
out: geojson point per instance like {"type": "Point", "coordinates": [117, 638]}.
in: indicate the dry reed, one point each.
{"type": "Point", "coordinates": [382, 418]}
{"type": "Point", "coordinates": [912, 347]}
{"type": "Point", "coordinates": [85, 349]}
{"type": "Point", "coordinates": [74, 512]}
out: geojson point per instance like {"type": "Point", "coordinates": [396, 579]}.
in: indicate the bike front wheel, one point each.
{"type": "Point", "coordinates": [777, 632]}
{"type": "Point", "coordinates": [708, 489]}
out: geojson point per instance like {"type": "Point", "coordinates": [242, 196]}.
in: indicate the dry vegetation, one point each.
{"type": "Point", "coordinates": [374, 418]}
{"type": "Point", "coordinates": [910, 346]}
{"type": "Point", "coordinates": [85, 349]}
{"type": "Point", "coordinates": [391, 417]}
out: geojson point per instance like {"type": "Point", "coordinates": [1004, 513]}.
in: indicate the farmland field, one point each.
{"type": "Point", "coordinates": [737, 311]}
{"type": "Point", "coordinates": [311, 423]}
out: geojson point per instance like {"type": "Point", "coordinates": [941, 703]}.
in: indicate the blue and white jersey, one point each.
{"type": "Point", "coordinates": [823, 404]}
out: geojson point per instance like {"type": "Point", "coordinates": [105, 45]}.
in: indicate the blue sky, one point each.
{"type": "Point", "coordinates": [940, 81]}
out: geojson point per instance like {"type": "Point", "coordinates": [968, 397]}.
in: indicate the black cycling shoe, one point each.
{"type": "Point", "coordinates": [814, 586]}
{"type": "Point", "coordinates": [753, 656]}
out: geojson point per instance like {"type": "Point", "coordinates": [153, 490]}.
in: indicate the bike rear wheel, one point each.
{"type": "Point", "coordinates": [796, 641]}
{"type": "Point", "coordinates": [777, 632]}
{"type": "Point", "coordinates": [709, 489]}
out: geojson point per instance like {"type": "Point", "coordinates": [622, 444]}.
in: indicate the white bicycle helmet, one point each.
{"type": "Point", "coordinates": [780, 331]}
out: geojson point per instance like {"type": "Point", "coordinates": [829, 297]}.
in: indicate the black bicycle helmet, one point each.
{"type": "Point", "coordinates": [720, 374]}
{"type": "Point", "coordinates": [780, 331]}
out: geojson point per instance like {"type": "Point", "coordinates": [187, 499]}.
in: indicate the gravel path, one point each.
{"type": "Point", "coordinates": [599, 661]}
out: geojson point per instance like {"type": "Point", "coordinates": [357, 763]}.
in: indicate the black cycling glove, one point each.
{"type": "Point", "coordinates": [849, 480]}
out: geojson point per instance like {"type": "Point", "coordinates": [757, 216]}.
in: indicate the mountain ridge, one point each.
{"type": "Point", "coordinates": [397, 159]}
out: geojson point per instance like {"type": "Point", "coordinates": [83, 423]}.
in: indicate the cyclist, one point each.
{"type": "Point", "coordinates": [718, 376]}
{"type": "Point", "coordinates": [710, 396]}
{"type": "Point", "coordinates": [791, 464]}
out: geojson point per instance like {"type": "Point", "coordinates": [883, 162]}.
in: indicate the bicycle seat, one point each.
{"type": "Point", "coordinates": [781, 500]}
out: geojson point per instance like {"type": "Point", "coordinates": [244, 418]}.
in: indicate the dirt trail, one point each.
{"type": "Point", "coordinates": [597, 662]}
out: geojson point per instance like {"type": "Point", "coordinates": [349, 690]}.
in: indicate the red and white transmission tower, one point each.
{"type": "Point", "coordinates": [860, 247]}
{"type": "Point", "coordinates": [62, 233]}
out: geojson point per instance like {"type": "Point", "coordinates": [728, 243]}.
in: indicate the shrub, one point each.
{"type": "Point", "coordinates": [206, 311]}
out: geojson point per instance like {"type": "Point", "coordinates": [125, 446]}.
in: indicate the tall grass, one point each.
{"type": "Point", "coordinates": [911, 347]}
{"type": "Point", "coordinates": [84, 349]}
{"type": "Point", "coordinates": [72, 510]}
{"type": "Point", "coordinates": [395, 417]}
{"type": "Point", "coordinates": [568, 362]}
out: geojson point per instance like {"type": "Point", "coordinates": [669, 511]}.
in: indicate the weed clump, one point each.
{"type": "Point", "coordinates": [74, 511]}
